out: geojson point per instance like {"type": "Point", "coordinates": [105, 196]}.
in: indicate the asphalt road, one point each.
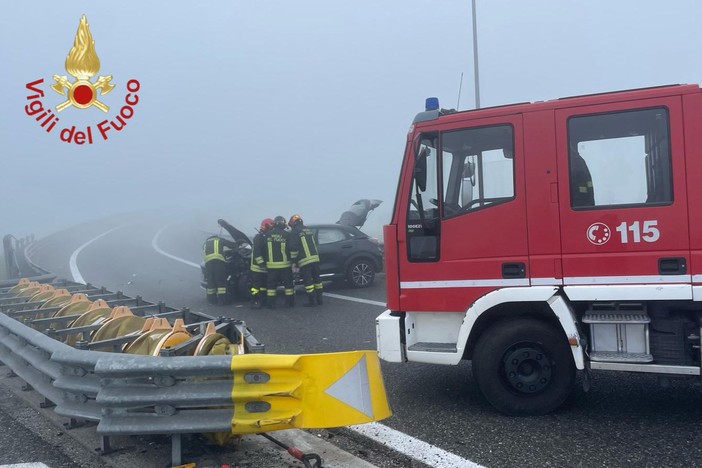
{"type": "Point", "coordinates": [28, 438]}
{"type": "Point", "coordinates": [625, 420]}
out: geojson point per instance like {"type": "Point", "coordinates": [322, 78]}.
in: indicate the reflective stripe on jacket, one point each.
{"type": "Point", "coordinates": [276, 253]}
{"type": "Point", "coordinates": [303, 248]}
{"type": "Point", "coordinates": [258, 263]}
{"type": "Point", "coordinates": [213, 249]}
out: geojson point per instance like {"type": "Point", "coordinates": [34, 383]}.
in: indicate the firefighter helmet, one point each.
{"type": "Point", "coordinates": [266, 225]}
{"type": "Point", "coordinates": [294, 219]}
{"type": "Point", "coordinates": [279, 221]}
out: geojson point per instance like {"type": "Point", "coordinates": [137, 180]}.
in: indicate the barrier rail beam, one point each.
{"type": "Point", "coordinates": [37, 311]}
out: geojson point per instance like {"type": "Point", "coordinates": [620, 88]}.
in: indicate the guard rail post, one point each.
{"type": "Point", "coordinates": [28, 352]}
{"type": "Point", "coordinates": [172, 396]}
{"type": "Point", "coordinates": [11, 268]}
{"type": "Point", "coordinates": [79, 384]}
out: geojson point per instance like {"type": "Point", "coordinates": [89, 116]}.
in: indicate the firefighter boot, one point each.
{"type": "Point", "coordinates": [289, 301]}
{"type": "Point", "coordinates": [319, 296]}
{"type": "Point", "coordinates": [309, 300]}
{"type": "Point", "coordinates": [221, 299]}
{"type": "Point", "coordinates": [256, 301]}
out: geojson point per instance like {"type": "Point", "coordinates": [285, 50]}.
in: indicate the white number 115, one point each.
{"type": "Point", "coordinates": [648, 232]}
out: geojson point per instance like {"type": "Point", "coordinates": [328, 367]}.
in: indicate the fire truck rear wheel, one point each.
{"type": "Point", "coordinates": [524, 367]}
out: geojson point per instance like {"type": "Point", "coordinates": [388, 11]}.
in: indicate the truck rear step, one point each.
{"type": "Point", "coordinates": [434, 347]}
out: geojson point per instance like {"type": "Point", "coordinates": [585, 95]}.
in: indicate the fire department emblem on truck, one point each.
{"type": "Point", "coordinates": [598, 233]}
{"type": "Point", "coordinates": [82, 63]}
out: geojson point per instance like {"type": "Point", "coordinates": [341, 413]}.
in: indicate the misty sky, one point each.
{"type": "Point", "coordinates": [258, 108]}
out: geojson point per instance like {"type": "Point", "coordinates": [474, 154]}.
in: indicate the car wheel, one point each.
{"type": "Point", "coordinates": [524, 367]}
{"type": "Point", "coordinates": [360, 273]}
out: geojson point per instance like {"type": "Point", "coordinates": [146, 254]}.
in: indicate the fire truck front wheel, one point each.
{"type": "Point", "coordinates": [524, 367]}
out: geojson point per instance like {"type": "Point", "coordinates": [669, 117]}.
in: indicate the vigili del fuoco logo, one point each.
{"type": "Point", "coordinates": [82, 63]}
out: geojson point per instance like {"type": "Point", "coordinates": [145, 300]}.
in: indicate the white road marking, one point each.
{"type": "Point", "coordinates": [355, 299]}
{"type": "Point", "coordinates": [25, 465]}
{"type": "Point", "coordinates": [412, 447]}
{"type": "Point", "coordinates": [73, 264]}
{"type": "Point", "coordinates": [154, 244]}
{"type": "Point", "coordinates": [395, 440]}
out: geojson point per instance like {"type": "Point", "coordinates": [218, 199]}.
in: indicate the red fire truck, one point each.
{"type": "Point", "coordinates": [542, 239]}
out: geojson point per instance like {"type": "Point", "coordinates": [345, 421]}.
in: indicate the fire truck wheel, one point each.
{"type": "Point", "coordinates": [524, 367]}
{"type": "Point", "coordinates": [361, 273]}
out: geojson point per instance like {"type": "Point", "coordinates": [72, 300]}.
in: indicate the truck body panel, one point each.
{"type": "Point", "coordinates": [540, 238]}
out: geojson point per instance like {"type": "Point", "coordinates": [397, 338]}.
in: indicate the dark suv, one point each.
{"type": "Point", "coordinates": [347, 253]}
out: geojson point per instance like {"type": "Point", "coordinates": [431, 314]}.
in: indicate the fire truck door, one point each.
{"type": "Point", "coordinates": [466, 217]}
{"type": "Point", "coordinates": [623, 204]}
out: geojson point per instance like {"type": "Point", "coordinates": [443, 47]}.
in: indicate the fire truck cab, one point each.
{"type": "Point", "coordinates": [542, 239]}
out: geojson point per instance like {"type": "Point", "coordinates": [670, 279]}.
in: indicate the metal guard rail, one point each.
{"type": "Point", "coordinates": [82, 385]}
{"type": "Point", "coordinates": [17, 254]}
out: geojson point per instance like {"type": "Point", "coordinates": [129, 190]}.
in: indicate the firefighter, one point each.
{"type": "Point", "coordinates": [216, 269]}
{"type": "Point", "coordinates": [581, 189]}
{"type": "Point", "coordinates": [303, 251]}
{"type": "Point", "coordinates": [259, 278]}
{"type": "Point", "coordinates": [278, 263]}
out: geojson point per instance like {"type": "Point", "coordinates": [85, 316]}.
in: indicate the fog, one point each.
{"type": "Point", "coordinates": [253, 109]}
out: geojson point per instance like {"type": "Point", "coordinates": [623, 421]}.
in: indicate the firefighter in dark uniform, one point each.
{"type": "Point", "coordinates": [278, 263]}
{"type": "Point", "coordinates": [581, 190]}
{"type": "Point", "coordinates": [216, 269]}
{"type": "Point", "coordinates": [303, 251]}
{"type": "Point", "coordinates": [259, 278]}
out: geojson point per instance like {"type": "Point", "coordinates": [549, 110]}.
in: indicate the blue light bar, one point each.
{"type": "Point", "coordinates": [432, 103]}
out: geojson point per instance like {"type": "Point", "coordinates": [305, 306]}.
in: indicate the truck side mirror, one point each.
{"type": "Point", "coordinates": [468, 183]}
{"type": "Point", "coordinates": [420, 169]}
{"type": "Point", "coordinates": [469, 172]}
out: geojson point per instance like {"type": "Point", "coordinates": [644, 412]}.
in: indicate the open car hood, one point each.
{"type": "Point", "coordinates": [357, 214]}
{"type": "Point", "coordinates": [237, 235]}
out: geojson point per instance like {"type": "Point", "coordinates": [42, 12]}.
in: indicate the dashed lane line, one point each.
{"type": "Point", "coordinates": [395, 440]}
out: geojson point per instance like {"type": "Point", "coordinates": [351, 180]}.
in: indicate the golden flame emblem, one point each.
{"type": "Point", "coordinates": [82, 63]}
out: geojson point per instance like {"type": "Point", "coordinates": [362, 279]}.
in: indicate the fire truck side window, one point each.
{"type": "Point", "coordinates": [423, 209]}
{"type": "Point", "coordinates": [620, 158]}
{"type": "Point", "coordinates": [478, 168]}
